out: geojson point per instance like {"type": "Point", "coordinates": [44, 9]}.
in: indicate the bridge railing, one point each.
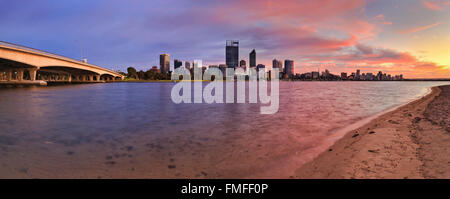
{"type": "Point", "coordinates": [4, 43]}
{"type": "Point", "coordinates": [7, 44]}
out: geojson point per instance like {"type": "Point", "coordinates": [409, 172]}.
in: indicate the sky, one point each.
{"type": "Point", "coordinates": [409, 37]}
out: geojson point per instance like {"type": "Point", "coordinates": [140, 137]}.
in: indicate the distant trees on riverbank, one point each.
{"type": "Point", "coordinates": [151, 74]}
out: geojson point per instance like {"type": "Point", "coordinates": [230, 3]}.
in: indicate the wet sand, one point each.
{"type": "Point", "coordinates": [411, 141]}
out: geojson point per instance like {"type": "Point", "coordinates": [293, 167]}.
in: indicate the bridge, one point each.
{"type": "Point", "coordinates": [24, 65]}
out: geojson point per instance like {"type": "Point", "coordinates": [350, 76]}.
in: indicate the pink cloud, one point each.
{"type": "Point", "coordinates": [436, 5]}
{"type": "Point", "coordinates": [420, 28]}
{"type": "Point", "coordinates": [381, 19]}
{"type": "Point", "coordinates": [313, 25]}
{"type": "Point", "coordinates": [327, 31]}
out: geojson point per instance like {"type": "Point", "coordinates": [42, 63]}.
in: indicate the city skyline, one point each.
{"type": "Point", "coordinates": [399, 37]}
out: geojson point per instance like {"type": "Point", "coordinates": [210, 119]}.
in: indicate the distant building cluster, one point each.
{"type": "Point", "coordinates": [286, 72]}
{"type": "Point", "coordinates": [354, 76]}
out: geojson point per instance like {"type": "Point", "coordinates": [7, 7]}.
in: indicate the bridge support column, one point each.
{"type": "Point", "coordinates": [69, 78]}
{"type": "Point", "coordinates": [9, 75]}
{"type": "Point", "coordinates": [32, 74]}
{"type": "Point", "coordinates": [98, 77]}
{"type": "Point", "coordinates": [20, 74]}
{"type": "Point", "coordinates": [91, 78]}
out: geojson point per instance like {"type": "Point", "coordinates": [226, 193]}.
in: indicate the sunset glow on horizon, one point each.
{"type": "Point", "coordinates": [409, 37]}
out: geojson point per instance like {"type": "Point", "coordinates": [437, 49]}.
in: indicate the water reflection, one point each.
{"type": "Point", "coordinates": [134, 130]}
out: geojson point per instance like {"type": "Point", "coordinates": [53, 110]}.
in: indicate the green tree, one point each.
{"type": "Point", "coordinates": [141, 75]}
{"type": "Point", "coordinates": [132, 73]}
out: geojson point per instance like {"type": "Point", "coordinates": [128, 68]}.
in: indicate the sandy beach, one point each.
{"type": "Point", "coordinates": [410, 142]}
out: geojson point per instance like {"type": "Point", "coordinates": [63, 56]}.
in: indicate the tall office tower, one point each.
{"type": "Point", "coordinates": [358, 74]}
{"type": "Point", "coordinates": [252, 58]}
{"type": "Point", "coordinates": [164, 63]}
{"type": "Point", "coordinates": [289, 67]}
{"type": "Point", "coordinates": [277, 64]}
{"type": "Point", "coordinates": [197, 63]}
{"type": "Point", "coordinates": [232, 53]}
{"type": "Point", "coordinates": [177, 63]}
{"type": "Point", "coordinates": [223, 68]}
{"type": "Point", "coordinates": [260, 66]}
{"type": "Point", "coordinates": [187, 65]}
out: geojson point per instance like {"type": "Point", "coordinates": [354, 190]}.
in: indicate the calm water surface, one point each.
{"type": "Point", "coordinates": [133, 130]}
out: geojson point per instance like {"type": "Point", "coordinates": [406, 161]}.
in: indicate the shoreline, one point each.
{"type": "Point", "coordinates": [395, 144]}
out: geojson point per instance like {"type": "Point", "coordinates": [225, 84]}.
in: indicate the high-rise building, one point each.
{"type": "Point", "coordinates": [379, 75]}
{"type": "Point", "coordinates": [260, 66]}
{"type": "Point", "coordinates": [223, 68]}
{"type": "Point", "coordinates": [232, 53]}
{"type": "Point", "coordinates": [277, 64]}
{"type": "Point", "coordinates": [197, 63]}
{"type": "Point", "coordinates": [252, 57]}
{"type": "Point", "coordinates": [289, 67]}
{"type": "Point", "coordinates": [187, 65]}
{"type": "Point", "coordinates": [164, 63]}
{"type": "Point", "coordinates": [358, 74]}
{"type": "Point", "coordinates": [177, 63]}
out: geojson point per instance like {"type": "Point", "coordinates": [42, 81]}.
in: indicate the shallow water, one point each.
{"type": "Point", "coordinates": [134, 130]}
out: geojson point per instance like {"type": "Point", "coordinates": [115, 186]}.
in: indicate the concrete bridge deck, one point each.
{"type": "Point", "coordinates": [24, 65]}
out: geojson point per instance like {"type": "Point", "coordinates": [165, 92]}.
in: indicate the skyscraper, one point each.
{"type": "Point", "coordinates": [164, 63]}
{"type": "Point", "coordinates": [277, 64]}
{"type": "Point", "coordinates": [260, 66]}
{"type": "Point", "coordinates": [232, 53]}
{"type": "Point", "coordinates": [197, 63]}
{"type": "Point", "coordinates": [187, 65]}
{"type": "Point", "coordinates": [289, 67]}
{"type": "Point", "coordinates": [177, 63]}
{"type": "Point", "coordinates": [252, 58]}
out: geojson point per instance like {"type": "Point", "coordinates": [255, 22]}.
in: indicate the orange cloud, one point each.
{"type": "Point", "coordinates": [370, 59]}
